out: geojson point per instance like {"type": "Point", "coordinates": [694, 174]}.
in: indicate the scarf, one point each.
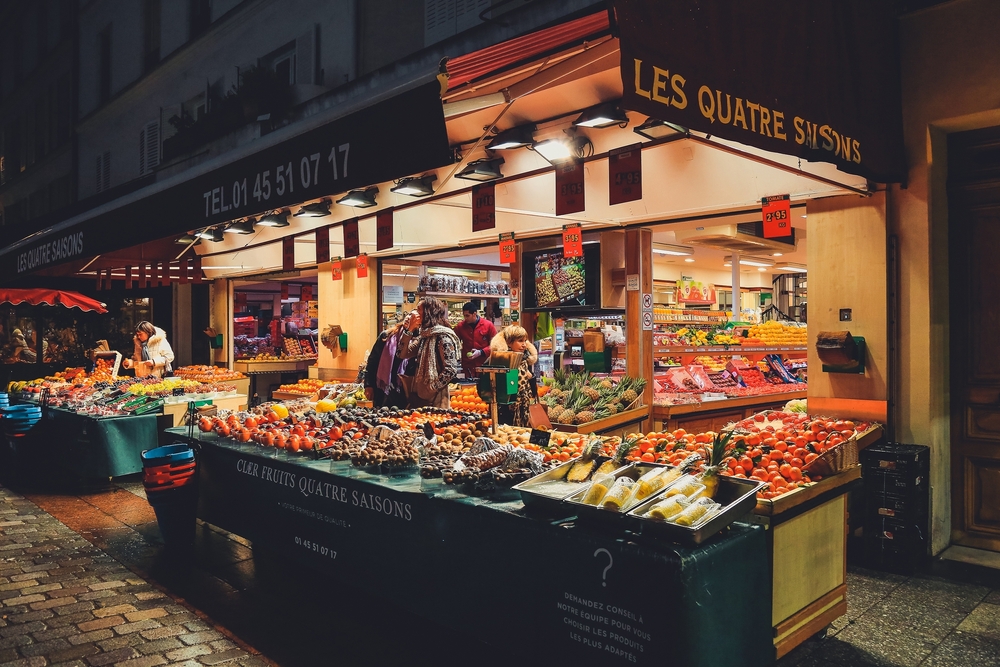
{"type": "Point", "coordinates": [428, 359]}
{"type": "Point", "coordinates": [145, 350]}
{"type": "Point", "coordinates": [383, 376]}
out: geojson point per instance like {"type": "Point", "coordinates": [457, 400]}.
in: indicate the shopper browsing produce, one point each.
{"type": "Point", "coordinates": [475, 332]}
{"type": "Point", "coordinates": [153, 354]}
{"type": "Point", "coordinates": [512, 348]}
{"type": "Point", "coordinates": [434, 347]}
{"type": "Point", "coordinates": [381, 381]}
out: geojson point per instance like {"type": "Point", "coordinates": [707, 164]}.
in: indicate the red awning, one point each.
{"type": "Point", "coordinates": [51, 297]}
{"type": "Point", "coordinates": [471, 66]}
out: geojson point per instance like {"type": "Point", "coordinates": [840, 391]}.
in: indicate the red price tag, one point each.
{"type": "Point", "coordinates": [322, 245]}
{"type": "Point", "coordinates": [625, 173]}
{"type": "Point", "coordinates": [570, 194]}
{"type": "Point", "coordinates": [777, 214]}
{"type": "Point", "coordinates": [484, 207]}
{"type": "Point", "coordinates": [508, 249]}
{"type": "Point", "coordinates": [288, 253]}
{"type": "Point", "coordinates": [306, 294]}
{"type": "Point", "coordinates": [352, 243]}
{"type": "Point", "coordinates": [573, 241]}
{"type": "Point", "coordinates": [336, 270]}
{"type": "Point", "coordinates": [383, 230]}
{"type": "Point", "coordinates": [362, 266]}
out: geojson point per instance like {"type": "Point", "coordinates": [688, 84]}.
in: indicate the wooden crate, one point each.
{"type": "Point", "coordinates": [604, 426]}
{"type": "Point", "coordinates": [176, 410]}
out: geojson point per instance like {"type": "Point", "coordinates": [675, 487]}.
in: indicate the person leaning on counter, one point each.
{"type": "Point", "coordinates": [475, 332]}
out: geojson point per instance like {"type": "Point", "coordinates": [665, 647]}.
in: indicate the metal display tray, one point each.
{"type": "Point", "coordinates": [737, 496]}
{"type": "Point", "coordinates": [590, 512]}
{"type": "Point", "coordinates": [533, 499]}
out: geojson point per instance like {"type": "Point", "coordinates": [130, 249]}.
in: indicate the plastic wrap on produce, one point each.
{"type": "Point", "coordinates": [523, 458]}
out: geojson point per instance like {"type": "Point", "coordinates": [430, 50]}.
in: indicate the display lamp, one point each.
{"type": "Point", "coordinates": [558, 151]}
{"type": "Point", "coordinates": [213, 234]}
{"type": "Point", "coordinates": [242, 227]}
{"type": "Point", "coordinates": [654, 128]}
{"type": "Point", "coordinates": [486, 169]}
{"type": "Point", "coordinates": [188, 239]}
{"type": "Point", "coordinates": [417, 186]}
{"type": "Point", "coordinates": [276, 219]}
{"type": "Point", "coordinates": [603, 115]}
{"type": "Point", "coordinates": [515, 137]}
{"type": "Point", "coordinates": [318, 209]}
{"type": "Point", "coordinates": [360, 198]}
{"type": "Point", "coordinates": [791, 267]}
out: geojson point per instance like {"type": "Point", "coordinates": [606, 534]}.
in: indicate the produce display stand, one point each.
{"type": "Point", "coordinates": [567, 591]}
{"type": "Point", "coordinates": [612, 425]}
{"type": "Point", "coordinates": [713, 415]}
{"type": "Point", "coordinates": [280, 369]}
{"type": "Point", "coordinates": [176, 411]}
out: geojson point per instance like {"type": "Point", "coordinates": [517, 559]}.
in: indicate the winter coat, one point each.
{"type": "Point", "coordinates": [499, 344]}
{"type": "Point", "coordinates": [517, 413]}
{"type": "Point", "coordinates": [160, 354]}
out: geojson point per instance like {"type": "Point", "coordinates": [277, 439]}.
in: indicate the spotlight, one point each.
{"type": "Point", "coordinates": [603, 115]}
{"type": "Point", "coordinates": [557, 151]}
{"type": "Point", "coordinates": [515, 137]}
{"type": "Point", "coordinates": [657, 129]}
{"type": "Point", "coordinates": [276, 219]}
{"type": "Point", "coordinates": [319, 209]}
{"type": "Point", "coordinates": [213, 234]}
{"type": "Point", "coordinates": [486, 169]}
{"type": "Point", "coordinates": [359, 198]}
{"type": "Point", "coordinates": [188, 239]}
{"type": "Point", "coordinates": [242, 227]}
{"type": "Point", "coordinates": [417, 186]}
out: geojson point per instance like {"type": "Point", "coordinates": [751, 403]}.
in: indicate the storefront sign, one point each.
{"type": "Point", "coordinates": [508, 248]}
{"type": "Point", "coordinates": [322, 245]}
{"type": "Point", "coordinates": [777, 214]}
{"type": "Point", "coordinates": [695, 291]}
{"type": "Point", "coordinates": [336, 270]}
{"type": "Point", "coordinates": [484, 207]}
{"type": "Point", "coordinates": [572, 241]}
{"type": "Point", "coordinates": [383, 230]}
{"type": "Point", "coordinates": [392, 294]}
{"type": "Point", "coordinates": [288, 253]}
{"type": "Point", "coordinates": [52, 252]}
{"type": "Point", "coordinates": [352, 243]}
{"type": "Point", "coordinates": [362, 264]}
{"type": "Point", "coordinates": [625, 174]}
{"type": "Point", "coordinates": [570, 196]}
{"type": "Point", "coordinates": [686, 62]}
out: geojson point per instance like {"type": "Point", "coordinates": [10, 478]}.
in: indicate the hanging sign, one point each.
{"type": "Point", "coordinates": [625, 174]}
{"type": "Point", "coordinates": [484, 207]}
{"type": "Point", "coordinates": [352, 243]}
{"type": "Point", "coordinates": [362, 263]}
{"type": "Point", "coordinates": [777, 214]}
{"type": "Point", "coordinates": [383, 230]}
{"type": "Point", "coordinates": [322, 245]}
{"type": "Point", "coordinates": [306, 294]}
{"type": "Point", "coordinates": [288, 253]}
{"type": "Point", "coordinates": [695, 291]}
{"type": "Point", "coordinates": [284, 291]}
{"type": "Point", "coordinates": [392, 294]}
{"type": "Point", "coordinates": [508, 248]}
{"type": "Point", "coordinates": [572, 241]}
{"type": "Point", "coordinates": [336, 270]}
{"type": "Point", "coordinates": [569, 188]}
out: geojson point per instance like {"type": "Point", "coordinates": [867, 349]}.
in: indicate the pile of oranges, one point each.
{"type": "Point", "coordinates": [466, 398]}
{"type": "Point", "coordinates": [304, 387]}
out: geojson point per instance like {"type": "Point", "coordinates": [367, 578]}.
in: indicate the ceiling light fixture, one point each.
{"type": "Point", "coordinates": [242, 227]}
{"type": "Point", "coordinates": [559, 150]}
{"type": "Point", "coordinates": [749, 261]}
{"type": "Point", "coordinates": [416, 186]}
{"type": "Point", "coordinates": [276, 219]}
{"type": "Point", "coordinates": [467, 273]}
{"type": "Point", "coordinates": [657, 129]}
{"type": "Point", "coordinates": [762, 269]}
{"type": "Point", "coordinates": [360, 198]}
{"type": "Point", "coordinates": [515, 137]}
{"type": "Point", "coordinates": [213, 234]}
{"type": "Point", "coordinates": [670, 249]}
{"type": "Point", "coordinates": [689, 260]}
{"type": "Point", "coordinates": [603, 115]}
{"type": "Point", "coordinates": [486, 169]}
{"type": "Point", "coordinates": [777, 254]}
{"type": "Point", "coordinates": [791, 267]}
{"type": "Point", "coordinates": [188, 239]}
{"type": "Point", "coordinates": [319, 209]}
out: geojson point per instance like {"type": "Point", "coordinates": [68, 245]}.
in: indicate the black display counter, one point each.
{"type": "Point", "coordinates": [553, 587]}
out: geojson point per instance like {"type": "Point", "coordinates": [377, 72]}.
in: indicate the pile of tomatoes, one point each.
{"type": "Point", "coordinates": [273, 430]}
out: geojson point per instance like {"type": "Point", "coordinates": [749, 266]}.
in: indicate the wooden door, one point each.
{"type": "Point", "coordinates": [974, 255]}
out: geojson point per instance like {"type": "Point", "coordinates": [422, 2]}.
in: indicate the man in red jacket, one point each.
{"type": "Point", "coordinates": [475, 332]}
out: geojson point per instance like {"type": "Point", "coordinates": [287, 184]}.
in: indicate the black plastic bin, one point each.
{"type": "Point", "coordinates": [897, 498]}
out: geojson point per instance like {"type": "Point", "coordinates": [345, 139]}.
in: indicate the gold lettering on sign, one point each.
{"type": "Point", "coordinates": [779, 130]}
{"type": "Point", "coordinates": [739, 116]}
{"type": "Point", "coordinates": [679, 99]}
{"type": "Point", "coordinates": [638, 87]}
{"type": "Point", "coordinates": [752, 107]}
{"type": "Point", "coordinates": [661, 78]}
{"type": "Point", "coordinates": [707, 110]}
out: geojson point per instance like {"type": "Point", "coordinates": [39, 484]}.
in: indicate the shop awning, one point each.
{"type": "Point", "coordinates": [375, 136]}
{"type": "Point", "coordinates": [818, 80]}
{"type": "Point", "coordinates": [49, 297]}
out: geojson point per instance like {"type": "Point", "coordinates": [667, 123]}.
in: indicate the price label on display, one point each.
{"type": "Point", "coordinates": [777, 214]}
{"type": "Point", "coordinates": [362, 266]}
{"type": "Point", "coordinates": [306, 294]}
{"type": "Point", "coordinates": [625, 174]}
{"type": "Point", "coordinates": [484, 207]}
{"type": "Point", "coordinates": [508, 248]}
{"type": "Point", "coordinates": [383, 230]}
{"type": "Point", "coordinates": [322, 245]}
{"type": "Point", "coordinates": [573, 241]}
{"type": "Point", "coordinates": [569, 188]}
{"type": "Point", "coordinates": [352, 243]}
{"type": "Point", "coordinates": [288, 253]}
{"type": "Point", "coordinates": [336, 270]}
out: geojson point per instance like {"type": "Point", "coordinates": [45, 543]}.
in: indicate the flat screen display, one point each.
{"type": "Point", "coordinates": [554, 282]}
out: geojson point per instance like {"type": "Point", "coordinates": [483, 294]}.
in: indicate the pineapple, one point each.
{"type": "Point", "coordinates": [607, 384]}
{"type": "Point", "coordinates": [710, 475]}
{"type": "Point", "coordinates": [585, 465]}
{"type": "Point", "coordinates": [584, 417]}
{"type": "Point", "coordinates": [614, 407]}
{"type": "Point", "coordinates": [555, 413]}
{"type": "Point", "coordinates": [591, 393]}
{"type": "Point", "coordinates": [618, 459]}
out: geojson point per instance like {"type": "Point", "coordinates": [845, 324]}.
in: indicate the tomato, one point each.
{"type": "Point", "coordinates": [298, 430]}
{"type": "Point", "coordinates": [648, 457]}
{"type": "Point", "coordinates": [679, 433]}
{"type": "Point", "coordinates": [294, 443]}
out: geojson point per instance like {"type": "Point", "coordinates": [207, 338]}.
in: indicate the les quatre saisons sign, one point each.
{"type": "Point", "coordinates": [351, 152]}
{"type": "Point", "coordinates": [817, 79]}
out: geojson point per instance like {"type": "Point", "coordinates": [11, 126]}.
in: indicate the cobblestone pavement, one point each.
{"type": "Point", "coordinates": [64, 601]}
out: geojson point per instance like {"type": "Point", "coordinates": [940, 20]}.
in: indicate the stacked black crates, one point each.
{"type": "Point", "coordinates": [897, 499]}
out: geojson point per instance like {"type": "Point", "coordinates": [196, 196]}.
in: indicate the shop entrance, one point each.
{"type": "Point", "coordinates": [974, 223]}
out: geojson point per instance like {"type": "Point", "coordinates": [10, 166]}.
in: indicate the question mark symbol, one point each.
{"type": "Point", "coordinates": [611, 561]}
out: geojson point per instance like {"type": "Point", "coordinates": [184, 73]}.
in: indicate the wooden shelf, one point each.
{"type": "Point", "coordinates": [665, 412]}
{"type": "Point", "coordinates": [741, 350]}
{"type": "Point", "coordinates": [463, 297]}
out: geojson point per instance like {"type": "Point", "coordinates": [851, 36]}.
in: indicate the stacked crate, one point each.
{"type": "Point", "coordinates": [896, 489]}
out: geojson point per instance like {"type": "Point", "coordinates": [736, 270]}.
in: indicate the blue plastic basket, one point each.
{"type": "Point", "coordinates": [167, 454]}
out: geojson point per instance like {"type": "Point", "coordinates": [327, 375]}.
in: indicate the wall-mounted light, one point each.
{"type": "Point", "coordinates": [319, 209]}
{"type": "Point", "coordinates": [670, 249]}
{"type": "Point", "coordinates": [444, 271]}
{"type": "Point", "coordinates": [213, 234]}
{"type": "Point", "coordinates": [486, 169]}
{"type": "Point", "coordinates": [791, 267]}
{"type": "Point", "coordinates": [561, 149]}
{"type": "Point", "coordinates": [657, 129]}
{"type": "Point", "coordinates": [515, 137]}
{"type": "Point", "coordinates": [242, 227]}
{"type": "Point", "coordinates": [417, 186]}
{"type": "Point", "coordinates": [603, 115]}
{"type": "Point", "coordinates": [748, 261]}
{"type": "Point", "coordinates": [360, 198]}
{"type": "Point", "coordinates": [188, 239]}
{"type": "Point", "coordinates": [276, 219]}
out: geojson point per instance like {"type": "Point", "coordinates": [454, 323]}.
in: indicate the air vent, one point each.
{"type": "Point", "coordinates": [742, 238]}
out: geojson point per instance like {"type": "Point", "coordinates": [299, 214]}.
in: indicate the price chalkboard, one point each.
{"type": "Point", "coordinates": [539, 437]}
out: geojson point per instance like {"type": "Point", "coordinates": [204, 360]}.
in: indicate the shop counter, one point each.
{"type": "Point", "coordinates": [713, 415]}
{"type": "Point", "coordinates": [559, 589]}
{"type": "Point", "coordinates": [264, 374]}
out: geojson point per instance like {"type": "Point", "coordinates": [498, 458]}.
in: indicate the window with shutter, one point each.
{"type": "Point", "coordinates": [305, 56]}
{"type": "Point", "coordinates": [103, 172]}
{"type": "Point", "coordinates": [149, 147]}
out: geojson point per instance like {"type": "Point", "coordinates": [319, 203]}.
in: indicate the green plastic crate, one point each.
{"type": "Point", "coordinates": [506, 386]}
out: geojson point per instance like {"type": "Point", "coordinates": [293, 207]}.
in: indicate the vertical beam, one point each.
{"type": "Point", "coordinates": [639, 343]}
{"type": "Point", "coordinates": [737, 305]}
